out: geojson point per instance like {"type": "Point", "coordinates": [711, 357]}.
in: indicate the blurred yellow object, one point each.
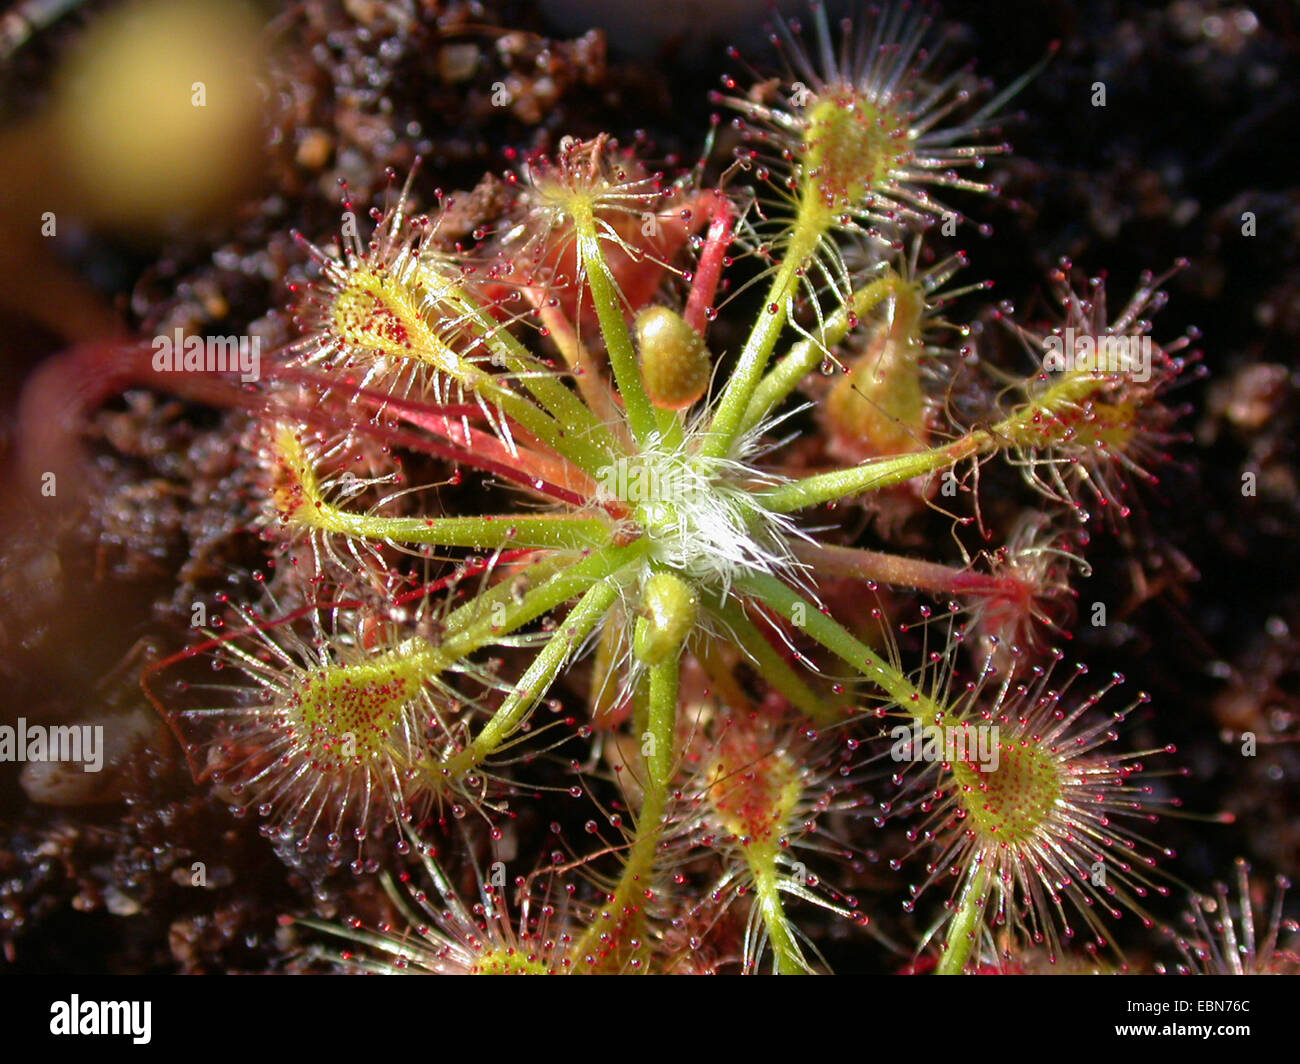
{"type": "Point", "coordinates": [155, 119]}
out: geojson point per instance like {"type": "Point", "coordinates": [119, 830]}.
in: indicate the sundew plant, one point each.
{"type": "Point", "coordinates": [603, 511]}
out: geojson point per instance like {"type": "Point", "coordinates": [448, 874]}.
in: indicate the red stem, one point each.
{"type": "Point", "coordinates": [708, 271]}
{"type": "Point", "coordinates": [895, 569]}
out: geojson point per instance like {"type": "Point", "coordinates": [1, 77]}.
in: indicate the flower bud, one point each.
{"type": "Point", "coordinates": [670, 608]}
{"type": "Point", "coordinates": [674, 361]}
{"type": "Point", "coordinates": [878, 407]}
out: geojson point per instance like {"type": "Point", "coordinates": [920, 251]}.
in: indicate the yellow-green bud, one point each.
{"type": "Point", "coordinates": [675, 363]}
{"type": "Point", "coordinates": [878, 407]}
{"type": "Point", "coordinates": [669, 608]}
